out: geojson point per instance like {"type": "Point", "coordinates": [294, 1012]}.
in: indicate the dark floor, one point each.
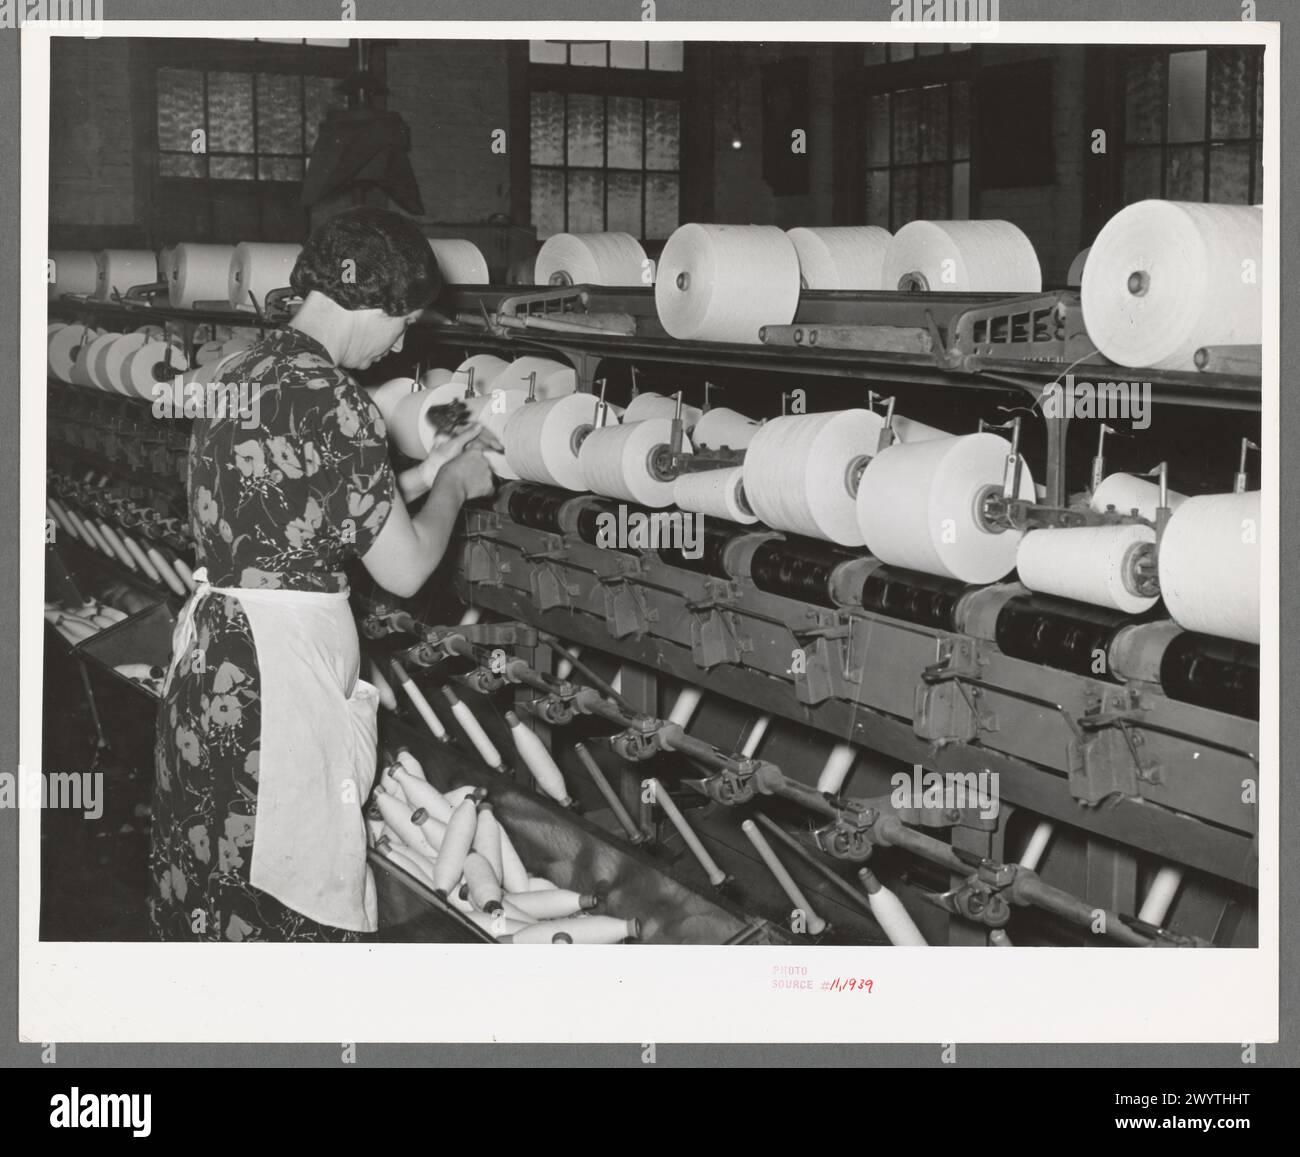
{"type": "Point", "coordinates": [94, 871]}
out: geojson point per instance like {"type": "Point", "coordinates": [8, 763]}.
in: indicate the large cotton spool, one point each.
{"type": "Point", "coordinates": [256, 269]}
{"type": "Point", "coordinates": [118, 270]}
{"type": "Point", "coordinates": [114, 358]}
{"type": "Point", "coordinates": [649, 405]}
{"type": "Point", "coordinates": [72, 271]}
{"type": "Point", "coordinates": [723, 427]}
{"type": "Point", "coordinates": [492, 412]}
{"type": "Point", "coordinates": [1164, 278]}
{"type": "Point", "coordinates": [96, 352]}
{"type": "Point", "coordinates": [714, 493]}
{"type": "Point", "coordinates": [554, 379]}
{"type": "Point", "coordinates": [460, 262]}
{"type": "Point", "coordinates": [165, 262]}
{"type": "Point", "coordinates": [152, 365]}
{"type": "Point", "coordinates": [962, 256]}
{"type": "Point", "coordinates": [844, 257]}
{"type": "Point", "coordinates": [1090, 564]}
{"type": "Point", "coordinates": [615, 461]}
{"type": "Point", "coordinates": [79, 375]}
{"type": "Point", "coordinates": [918, 506]}
{"type": "Point", "coordinates": [1128, 493]}
{"type": "Point", "coordinates": [591, 259]}
{"type": "Point", "coordinates": [62, 348]}
{"type": "Point", "coordinates": [800, 470]}
{"type": "Point", "coordinates": [409, 427]}
{"type": "Point", "coordinates": [198, 273]}
{"type": "Point", "coordinates": [1074, 276]}
{"type": "Point", "coordinates": [486, 369]}
{"type": "Point", "coordinates": [542, 439]}
{"type": "Point", "coordinates": [1209, 565]}
{"type": "Point", "coordinates": [725, 282]}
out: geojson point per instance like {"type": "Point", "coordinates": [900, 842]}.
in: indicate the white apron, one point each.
{"type": "Point", "coordinates": [317, 757]}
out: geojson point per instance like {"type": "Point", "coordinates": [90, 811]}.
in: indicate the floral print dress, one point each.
{"type": "Point", "coordinates": [280, 502]}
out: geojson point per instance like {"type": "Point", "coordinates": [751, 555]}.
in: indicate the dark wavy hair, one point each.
{"type": "Point", "coordinates": [367, 258]}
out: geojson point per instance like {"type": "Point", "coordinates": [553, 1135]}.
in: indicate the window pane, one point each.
{"type": "Point", "coordinates": [1230, 174]}
{"type": "Point", "coordinates": [279, 169]}
{"type": "Point", "coordinates": [592, 55]}
{"type": "Point", "coordinates": [907, 105]}
{"type": "Point", "coordinates": [231, 168]}
{"type": "Point", "coordinates": [180, 106]}
{"type": "Point", "coordinates": [181, 165]}
{"type": "Point", "coordinates": [321, 97]}
{"type": "Point", "coordinates": [1230, 93]}
{"type": "Point", "coordinates": [586, 130]}
{"type": "Point", "coordinates": [961, 192]}
{"type": "Point", "coordinates": [934, 193]}
{"type": "Point", "coordinates": [627, 53]}
{"type": "Point", "coordinates": [547, 51]}
{"type": "Point", "coordinates": [625, 134]}
{"type": "Point", "coordinates": [1141, 174]}
{"type": "Point", "coordinates": [660, 205]}
{"type": "Point", "coordinates": [230, 112]}
{"type": "Point", "coordinates": [905, 189]}
{"type": "Point", "coordinates": [279, 113]}
{"type": "Point", "coordinates": [878, 129]}
{"type": "Point", "coordinates": [929, 49]}
{"type": "Point", "coordinates": [934, 123]}
{"type": "Point", "coordinates": [666, 55]}
{"type": "Point", "coordinates": [547, 128]}
{"type": "Point", "coordinates": [901, 51]}
{"type": "Point", "coordinates": [663, 134]}
{"type": "Point", "coordinates": [878, 198]}
{"type": "Point", "coordinates": [1144, 82]}
{"type": "Point", "coordinates": [873, 54]}
{"type": "Point", "coordinates": [1187, 96]}
{"type": "Point", "coordinates": [548, 201]}
{"type": "Point", "coordinates": [624, 203]}
{"type": "Point", "coordinates": [586, 201]}
{"type": "Point", "coordinates": [961, 119]}
{"type": "Point", "coordinates": [1185, 173]}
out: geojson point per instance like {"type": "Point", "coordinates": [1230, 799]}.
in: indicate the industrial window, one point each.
{"type": "Point", "coordinates": [918, 153]}
{"type": "Point", "coordinates": [1194, 125]}
{"type": "Point", "coordinates": [255, 125]}
{"type": "Point", "coordinates": [605, 131]}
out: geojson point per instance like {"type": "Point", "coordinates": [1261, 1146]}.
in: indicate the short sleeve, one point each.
{"type": "Point", "coordinates": [357, 487]}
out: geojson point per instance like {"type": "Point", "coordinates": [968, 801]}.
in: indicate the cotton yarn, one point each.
{"type": "Point", "coordinates": [591, 259]}
{"type": "Point", "coordinates": [1128, 493]}
{"type": "Point", "coordinates": [492, 412]}
{"type": "Point", "coordinates": [256, 269]}
{"type": "Point", "coordinates": [615, 462]}
{"type": "Point", "coordinates": [851, 257]}
{"type": "Point", "coordinates": [918, 507]}
{"type": "Point", "coordinates": [542, 439]}
{"type": "Point", "coordinates": [651, 405]}
{"type": "Point", "coordinates": [1209, 565]}
{"type": "Point", "coordinates": [110, 369]}
{"type": "Point", "coordinates": [119, 270]}
{"type": "Point", "coordinates": [62, 348]}
{"type": "Point", "coordinates": [487, 369]}
{"type": "Point", "coordinates": [1165, 278]}
{"type": "Point", "coordinates": [714, 493]}
{"type": "Point", "coordinates": [198, 273]}
{"type": "Point", "coordinates": [723, 427]}
{"type": "Point", "coordinates": [725, 282]}
{"type": "Point", "coordinates": [1074, 277]}
{"type": "Point", "coordinates": [962, 256]}
{"type": "Point", "coordinates": [409, 427]}
{"type": "Point", "coordinates": [73, 271]}
{"type": "Point", "coordinates": [1089, 564]}
{"type": "Point", "coordinates": [460, 262]}
{"type": "Point", "coordinates": [554, 379]}
{"type": "Point", "coordinates": [799, 470]}
{"type": "Point", "coordinates": [153, 363]}
{"type": "Point", "coordinates": [95, 354]}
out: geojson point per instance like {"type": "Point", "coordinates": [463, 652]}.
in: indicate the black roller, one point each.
{"type": "Point", "coordinates": [589, 527]}
{"type": "Point", "coordinates": [538, 506]}
{"type": "Point", "coordinates": [798, 568]}
{"type": "Point", "coordinates": [715, 539]}
{"type": "Point", "coordinates": [913, 597]}
{"type": "Point", "coordinates": [1214, 673]}
{"type": "Point", "coordinates": [1066, 635]}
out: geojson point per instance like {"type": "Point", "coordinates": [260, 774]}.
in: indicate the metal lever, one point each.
{"type": "Point", "coordinates": [1239, 483]}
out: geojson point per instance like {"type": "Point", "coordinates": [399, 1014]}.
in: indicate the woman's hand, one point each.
{"type": "Point", "coordinates": [471, 438]}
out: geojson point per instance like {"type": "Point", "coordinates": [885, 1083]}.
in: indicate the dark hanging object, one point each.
{"type": "Point", "coordinates": [362, 147]}
{"type": "Point", "coordinates": [786, 111]}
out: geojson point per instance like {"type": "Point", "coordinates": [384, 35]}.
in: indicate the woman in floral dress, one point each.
{"type": "Point", "coordinates": [281, 504]}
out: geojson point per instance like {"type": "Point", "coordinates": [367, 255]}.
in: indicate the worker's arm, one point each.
{"type": "Point", "coordinates": [409, 549]}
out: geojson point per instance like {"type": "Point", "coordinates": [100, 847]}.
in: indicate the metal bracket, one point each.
{"type": "Point", "coordinates": [715, 637]}
{"type": "Point", "coordinates": [625, 609]}
{"type": "Point", "coordinates": [946, 709]}
{"type": "Point", "coordinates": [1105, 760]}
{"type": "Point", "coordinates": [848, 836]}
